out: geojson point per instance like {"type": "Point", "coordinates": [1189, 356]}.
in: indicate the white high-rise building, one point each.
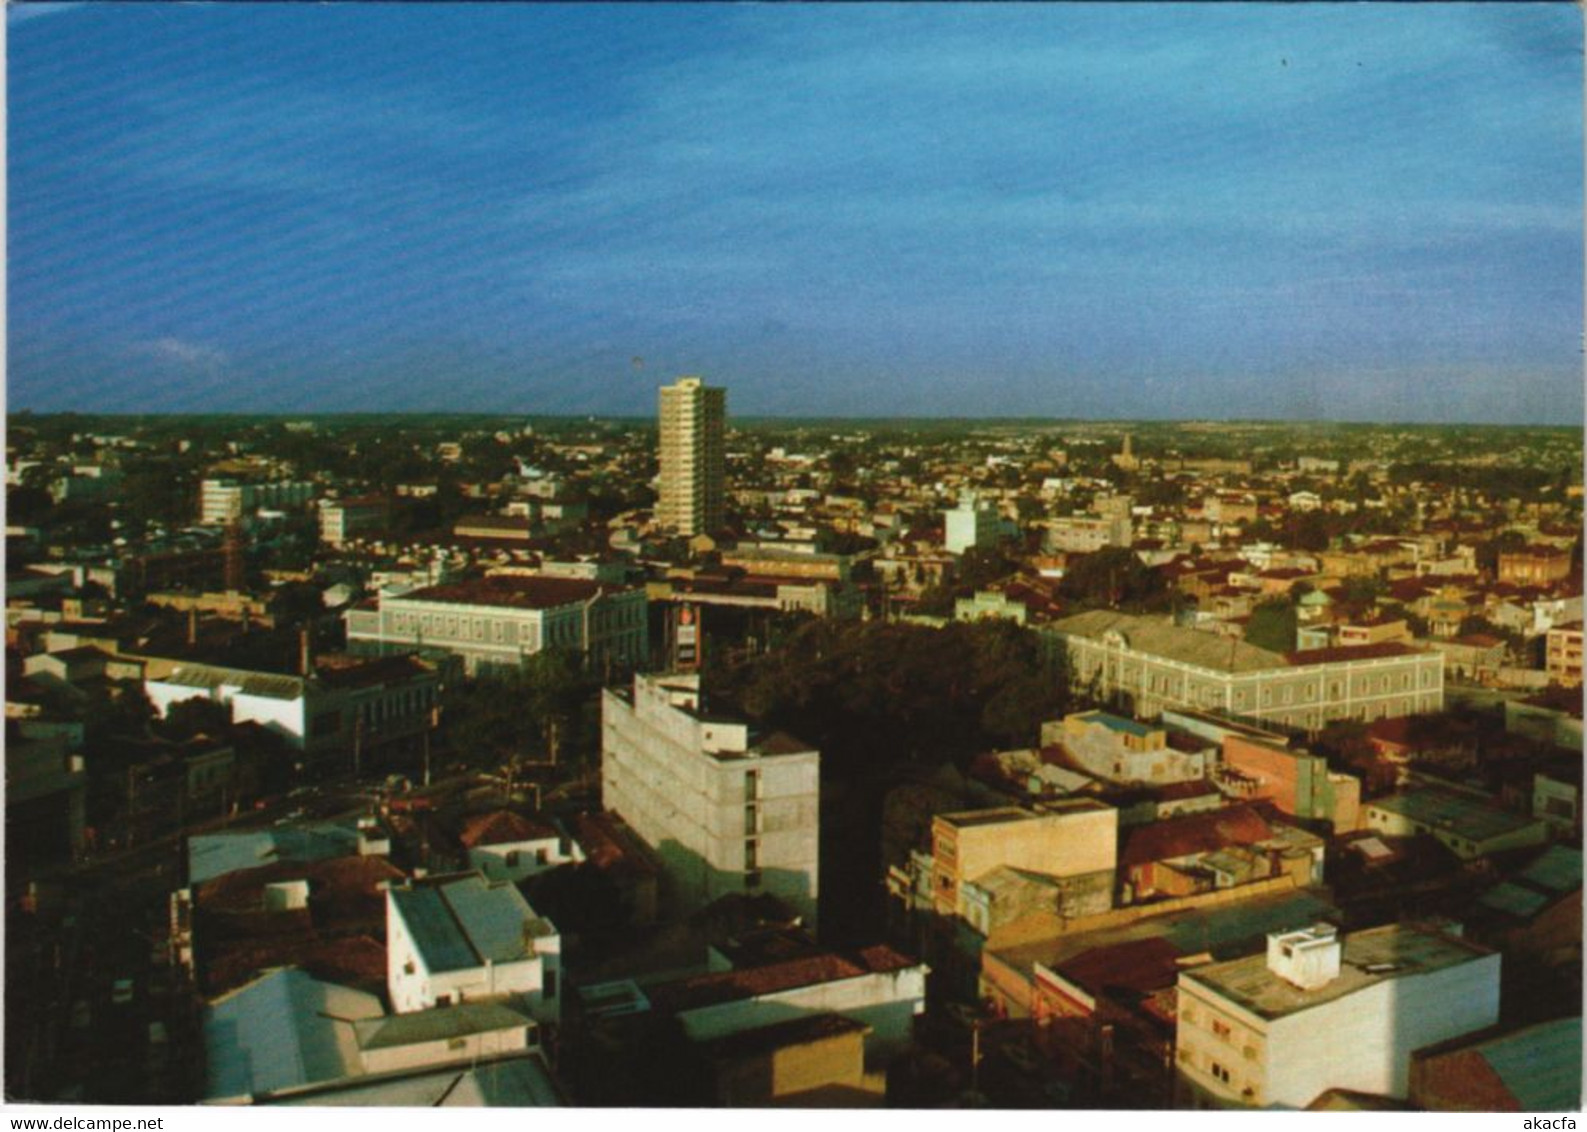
{"type": "Point", "coordinates": [693, 461]}
{"type": "Point", "coordinates": [971, 524]}
{"type": "Point", "coordinates": [726, 810]}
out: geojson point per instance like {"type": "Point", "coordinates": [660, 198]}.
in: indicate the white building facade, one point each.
{"type": "Point", "coordinates": [1156, 666]}
{"type": "Point", "coordinates": [1317, 1012]}
{"type": "Point", "coordinates": [497, 621]}
{"type": "Point", "coordinates": [727, 812]}
{"type": "Point", "coordinates": [462, 938]}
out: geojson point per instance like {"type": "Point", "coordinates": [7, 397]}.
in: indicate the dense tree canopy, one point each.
{"type": "Point", "coordinates": [1113, 578]}
{"type": "Point", "coordinates": [869, 693]}
{"type": "Point", "coordinates": [1272, 625]}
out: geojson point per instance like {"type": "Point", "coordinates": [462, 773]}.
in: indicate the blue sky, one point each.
{"type": "Point", "coordinates": [1314, 211]}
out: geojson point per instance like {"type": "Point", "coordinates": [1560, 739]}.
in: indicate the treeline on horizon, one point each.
{"type": "Point", "coordinates": [430, 419]}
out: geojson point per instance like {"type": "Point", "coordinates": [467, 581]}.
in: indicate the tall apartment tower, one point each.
{"type": "Point", "coordinates": [693, 465]}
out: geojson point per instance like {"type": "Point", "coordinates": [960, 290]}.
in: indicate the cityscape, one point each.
{"type": "Point", "coordinates": [831, 652]}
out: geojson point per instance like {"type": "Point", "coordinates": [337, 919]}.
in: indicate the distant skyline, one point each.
{"type": "Point", "coordinates": [1343, 212]}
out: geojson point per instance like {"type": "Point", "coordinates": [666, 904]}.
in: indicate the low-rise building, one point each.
{"type": "Point", "coordinates": [1296, 781]}
{"type": "Point", "coordinates": [342, 520]}
{"type": "Point", "coordinates": [462, 938]}
{"type": "Point", "coordinates": [1468, 826]}
{"type": "Point", "coordinates": [1073, 842]}
{"type": "Point", "coordinates": [1534, 565]}
{"type": "Point", "coordinates": [504, 845]}
{"type": "Point", "coordinates": [1154, 665]}
{"type": "Point", "coordinates": [359, 706]}
{"type": "Point", "coordinates": [1123, 750]}
{"type": "Point", "coordinates": [1536, 1069]}
{"type": "Point", "coordinates": [1563, 656]}
{"type": "Point", "coordinates": [498, 620]}
{"type": "Point", "coordinates": [1317, 1012]}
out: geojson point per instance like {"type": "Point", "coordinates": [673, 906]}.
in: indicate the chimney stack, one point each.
{"type": "Point", "coordinates": [305, 653]}
{"type": "Point", "coordinates": [192, 625]}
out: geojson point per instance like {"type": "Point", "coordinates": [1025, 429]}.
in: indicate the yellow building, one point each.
{"type": "Point", "coordinates": [1071, 838]}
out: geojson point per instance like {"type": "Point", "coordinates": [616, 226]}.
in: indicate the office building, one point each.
{"type": "Point", "coordinates": [693, 463]}
{"type": "Point", "coordinates": [726, 810]}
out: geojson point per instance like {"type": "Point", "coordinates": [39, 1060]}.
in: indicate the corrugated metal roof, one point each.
{"type": "Point", "coordinates": [1514, 899]}
{"type": "Point", "coordinates": [460, 922]}
{"type": "Point", "coordinates": [436, 932]}
{"type": "Point", "coordinates": [265, 684]}
{"type": "Point", "coordinates": [1558, 870]}
{"type": "Point", "coordinates": [283, 1030]}
{"type": "Point", "coordinates": [439, 1024]}
{"type": "Point", "coordinates": [1541, 1065]}
{"type": "Point", "coordinates": [518, 1082]}
{"type": "Point", "coordinates": [211, 855]}
{"type": "Point", "coordinates": [1470, 818]}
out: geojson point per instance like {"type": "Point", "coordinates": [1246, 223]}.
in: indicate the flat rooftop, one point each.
{"type": "Point", "coordinates": [1472, 818]}
{"type": "Point", "coordinates": [1369, 957]}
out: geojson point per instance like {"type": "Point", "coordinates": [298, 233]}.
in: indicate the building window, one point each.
{"type": "Point", "coordinates": [1220, 1072]}
{"type": "Point", "coordinates": [407, 968]}
{"type": "Point", "coordinates": [551, 984]}
{"type": "Point", "coordinates": [750, 855]}
{"type": "Point", "coordinates": [752, 879]}
{"type": "Point", "coordinates": [1221, 1029]}
{"type": "Point", "coordinates": [512, 858]}
{"type": "Point", "coordinates": [751, 783]}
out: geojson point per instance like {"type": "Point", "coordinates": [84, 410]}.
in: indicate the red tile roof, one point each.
{"type": "Point", "coordinates": [1141, 965]}
{"type": "Point", "coordinates": [503, 827]}
{"type": "Point", "coordinates": [1349, 652]}
{"type": "Point", "coordinates": [1195, 833]}
{"type": "Point", "coordinates": [513, 590]}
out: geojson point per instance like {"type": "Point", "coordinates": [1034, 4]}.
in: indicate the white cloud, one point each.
{"type": "Point", "coordinates": [189, 355]}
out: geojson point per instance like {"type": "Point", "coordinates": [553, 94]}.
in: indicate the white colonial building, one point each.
{"type": "Point", "coordinates": [1155, 665]}
{"type": "Point", "coordinates": [498, 620]}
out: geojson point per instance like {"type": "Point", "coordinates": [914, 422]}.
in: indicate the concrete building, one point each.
{"type": "Point", "coordinates": [1317, 1012]}
{"type": "Point", "coordinates": [726, 810]}
{"type": "Point", "coordinates": [1563, 658]}
{"type": "Point", "coordinates": [358, 705]}
{"type": "Point", "coordinates": [1072, 842]}
{"type": "Point", "coordinates": [498, 620]}
{"type": "Point", "coordinates": [1154, 665]}
{"type": "Point", "coordinates": [1467, 826]}
{"type": "Point", "coordinates": [693, 457]}
{"type": "Point", "coordinates": [1298, 782]}
{"type": "Point", "coordinates": [1086, 534]}
{"type": "Point", "coordinates": [971, 524]}
{"type": "Point", "coordinates": [878, 987]}
{"type": "Point", "coordinates": [222, 500]}
{"type": "Point", "coordinates": [1534, 565]}
{"type": "Point", "coordinates": [461, 938]}
{"type": "Point", "coordinates": [1122, 750]}
{"type": "Point", "coordinates": [344, 519]}
{"type": "Point", "coordinates": [507, 846]}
